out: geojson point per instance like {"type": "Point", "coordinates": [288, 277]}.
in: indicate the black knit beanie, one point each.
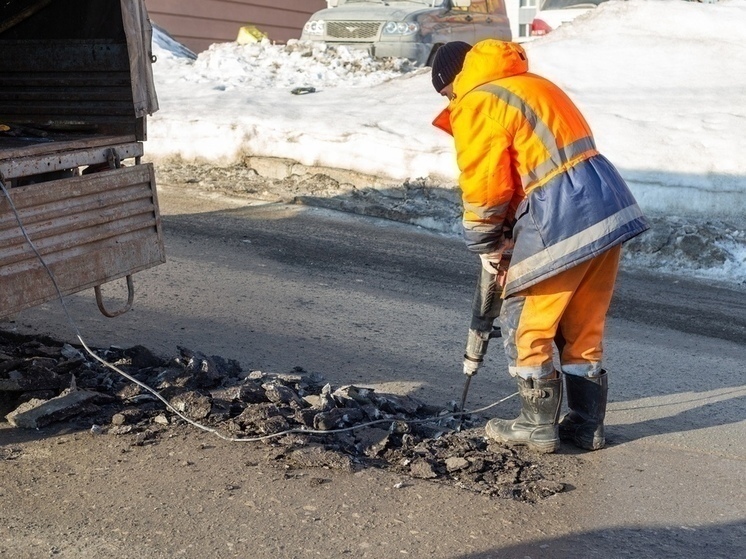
{"type": "Point", "coordinates": [447, 63]}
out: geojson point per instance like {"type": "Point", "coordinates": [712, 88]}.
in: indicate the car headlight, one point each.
{"type": "Point", "coordinates": [315, 27]}
{"type": "Point", "coordinates": [400, 28]}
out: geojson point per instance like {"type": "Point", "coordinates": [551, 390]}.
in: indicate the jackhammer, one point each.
{"type": "Point", "coordinates": [485, 309]}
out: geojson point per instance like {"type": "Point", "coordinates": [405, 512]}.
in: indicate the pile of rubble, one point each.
{"type": "Point", "coordinates": [43, 381]}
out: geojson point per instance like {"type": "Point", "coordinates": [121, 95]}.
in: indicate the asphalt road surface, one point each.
{"type": "Point", "coordinates": [380, 304]}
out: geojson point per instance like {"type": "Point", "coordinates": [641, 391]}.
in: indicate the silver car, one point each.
{"type": "Point", "coordinates": [412, 29]}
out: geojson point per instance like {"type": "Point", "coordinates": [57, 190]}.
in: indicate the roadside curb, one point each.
{"type": "Point", "coordinates": [429, 202]}
{"type": "Point", "coordinates": [695, 245]}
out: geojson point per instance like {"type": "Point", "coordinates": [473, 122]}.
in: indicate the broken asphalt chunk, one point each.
{"type": "Point", "coordinates": [192, 404]}
{"type": "Point", "coordinates": [38, 413]}
{"type": "Point", "coordinates": [281, 394]}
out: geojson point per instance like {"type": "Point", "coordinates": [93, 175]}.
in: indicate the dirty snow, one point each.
{"type": "Point", "coordinates": [660, 82]}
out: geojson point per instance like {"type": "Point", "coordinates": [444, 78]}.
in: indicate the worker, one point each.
{"type": "Point", "coordinates": [532, 182]}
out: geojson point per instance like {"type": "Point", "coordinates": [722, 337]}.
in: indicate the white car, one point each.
{"type": "Point", "coordinates": [553, 13]}
{"type": "Point", "coordinates": [413, 29]}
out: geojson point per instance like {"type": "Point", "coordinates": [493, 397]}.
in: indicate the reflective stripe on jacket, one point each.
{"type": "Point", "coordinates": [526, 153]}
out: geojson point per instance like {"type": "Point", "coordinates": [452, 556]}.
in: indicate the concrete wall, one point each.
{"type": "Point", "coordinates": [199, 23]}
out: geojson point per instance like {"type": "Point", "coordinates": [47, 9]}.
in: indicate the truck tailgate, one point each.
{"type": "Point", "coordinates": [89, 229]}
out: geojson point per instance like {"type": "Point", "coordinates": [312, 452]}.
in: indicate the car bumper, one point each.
{"type": "Point", "coordinates": [412, 50]}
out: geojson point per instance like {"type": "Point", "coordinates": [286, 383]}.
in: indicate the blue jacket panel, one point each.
{"type": "Point", "coordinates": [575, 216]}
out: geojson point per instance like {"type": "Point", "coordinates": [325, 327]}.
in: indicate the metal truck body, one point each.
{"type": "Point", "coordinates": [76, 86]}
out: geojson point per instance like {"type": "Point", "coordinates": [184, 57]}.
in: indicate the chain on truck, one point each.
{"type": "Point", "coordinates": [76, 87]}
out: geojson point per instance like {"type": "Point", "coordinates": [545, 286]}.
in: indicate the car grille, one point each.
{"type": "Point", "coordinates": [352, 29]}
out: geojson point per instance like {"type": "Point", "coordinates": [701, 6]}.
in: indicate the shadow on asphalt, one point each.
{"type": "Point", "coordinates": [713, 414]}
{"type": "Point", "coordinates": [10, 436]}
{"type": "Point", "coordinates": [719, 541]}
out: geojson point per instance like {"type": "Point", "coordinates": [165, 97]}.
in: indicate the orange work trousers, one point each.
{"type": "Point", "coordinates": [568, 310]}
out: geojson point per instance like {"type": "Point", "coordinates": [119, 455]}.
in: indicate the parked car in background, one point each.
{"type": "Point", "coordinates": [412, 29]}
{"type": "Point", "coordinates": [553, 13]}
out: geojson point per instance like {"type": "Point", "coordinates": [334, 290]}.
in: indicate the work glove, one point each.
{"type": "Point", "coordinates": [497, 261]}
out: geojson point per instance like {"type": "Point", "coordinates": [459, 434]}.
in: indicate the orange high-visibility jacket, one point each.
{"type": "Point", "coordinates": [526, 153]}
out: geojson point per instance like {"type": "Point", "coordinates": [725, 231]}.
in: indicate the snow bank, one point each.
{"type": "Point", "coordinates": [661, 82]}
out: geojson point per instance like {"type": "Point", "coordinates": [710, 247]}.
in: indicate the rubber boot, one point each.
{"type": "Point", "coordinates": [536, 426]}
{"type": "Point", "coordinates": [586, 398]}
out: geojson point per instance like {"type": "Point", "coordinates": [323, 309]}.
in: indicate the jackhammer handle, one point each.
{"type": "Point", "coordinates": [485, 309]}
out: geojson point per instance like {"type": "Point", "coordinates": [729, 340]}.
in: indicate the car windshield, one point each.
{"type": "Point", "coordinates": [562, 4]}
{"type": "Point", "coordinates": [386, 2]}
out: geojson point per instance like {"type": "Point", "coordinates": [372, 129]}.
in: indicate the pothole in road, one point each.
{"type": "Point", "coordinates": [413, 439]}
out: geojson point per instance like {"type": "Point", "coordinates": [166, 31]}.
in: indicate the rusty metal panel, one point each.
{"type": "Point", "coordinates": [69, 84]}
{"type": "Point", "coordinates": [64, 56]}
{"type": "Point", "coordinates": [11, 148]}
{"type": "Point", "coordinates": [139, 33]}
{"type": "Point", "coordinates": [77, 65]}
{"type": "Point", "coordinates": [37, 164]}
{"type": "Point", "coordinates": [89, 230]}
